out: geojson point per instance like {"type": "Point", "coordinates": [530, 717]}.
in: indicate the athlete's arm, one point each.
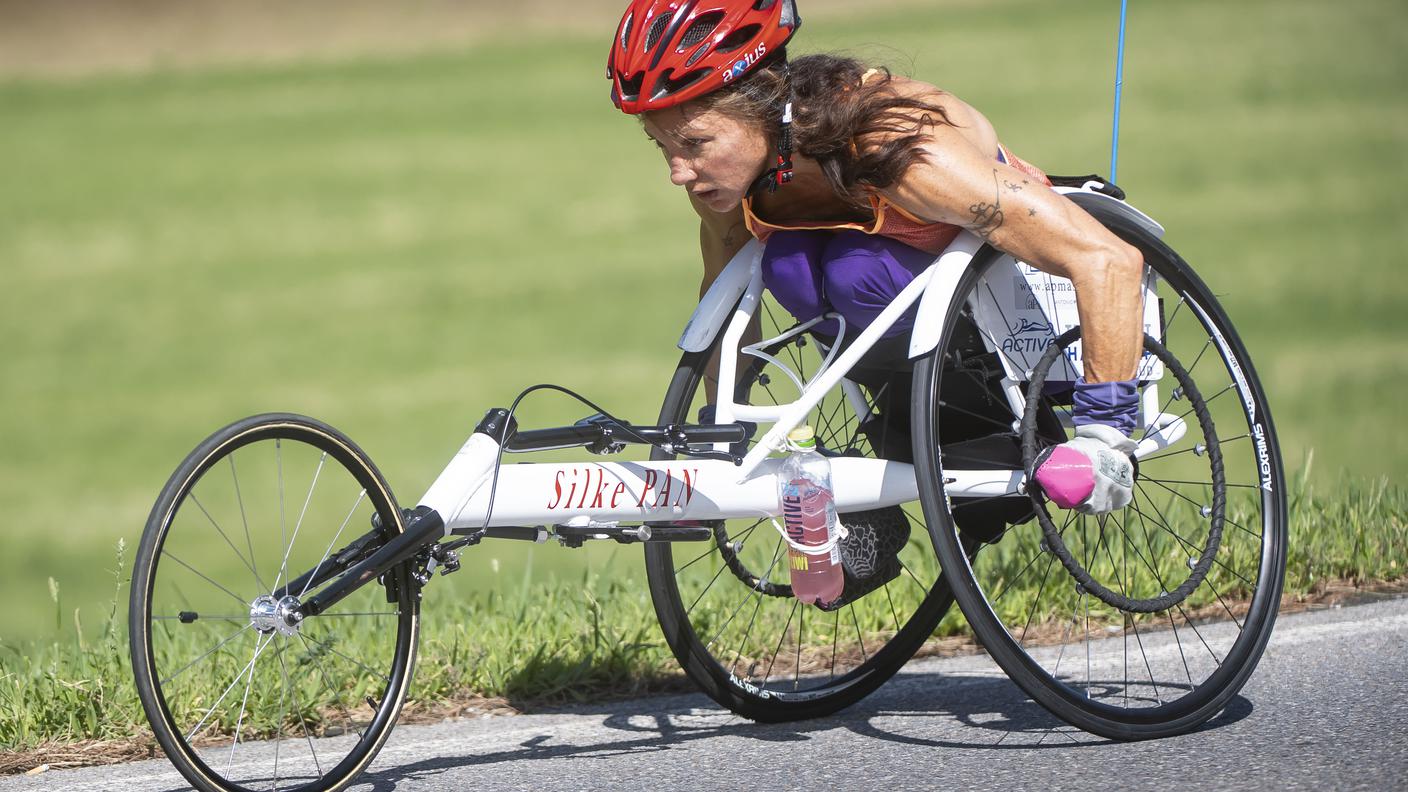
{"type": "Point", "coordinates": [957, 182]}
{"type": "Point", "coordinates": [721, 235]}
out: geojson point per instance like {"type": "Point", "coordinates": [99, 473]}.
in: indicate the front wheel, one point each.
{"type": "Point", "coordinates": [1141, 623]}
{"type": "Point", "coordinates": [240, 697]}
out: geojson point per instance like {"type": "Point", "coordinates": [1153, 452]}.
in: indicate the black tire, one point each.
{"type": "Point", "coordinates": [223, 532]}
{"type": "Point", "coordinates": [1171, 600]}
{"type": "Point", "coordinates": [764, 655]}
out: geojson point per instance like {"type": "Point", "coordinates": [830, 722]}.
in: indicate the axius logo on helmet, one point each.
{"type": "Point", "coordinates": [748, 60]}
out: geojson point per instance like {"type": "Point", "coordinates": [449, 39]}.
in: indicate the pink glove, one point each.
{"type": "Point", "coordinates": [1092, 473]}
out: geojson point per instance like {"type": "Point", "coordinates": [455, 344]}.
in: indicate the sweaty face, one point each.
{"type": "Point", "coordinates": [713, 156]}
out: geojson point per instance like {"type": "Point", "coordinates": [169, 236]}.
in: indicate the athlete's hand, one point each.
{"type": "Point", "coordinates": [1092, 473]}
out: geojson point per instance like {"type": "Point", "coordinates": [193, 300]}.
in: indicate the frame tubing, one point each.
{"type": "Point", "coordinates": [424, 531]}
{"type": "Point", "coordinates": [586, 434]}
{"type": "Point", "coordinates": [797, 411]}
{"type": "Point", "coordinates": [665, 492]}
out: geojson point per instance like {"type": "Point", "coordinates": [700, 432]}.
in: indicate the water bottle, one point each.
{"type": "Point", "coordinates": [809, 517]}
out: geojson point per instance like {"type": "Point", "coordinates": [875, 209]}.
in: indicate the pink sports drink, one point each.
{"type": "Point", "coordinates": [809, 516]}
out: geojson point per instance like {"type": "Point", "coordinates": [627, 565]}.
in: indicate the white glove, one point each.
{"type": "Point", "coordinates": [1092, 473]}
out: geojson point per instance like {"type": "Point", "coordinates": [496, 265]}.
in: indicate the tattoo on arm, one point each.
{"type": "Point", "coordinates": [987, 217]}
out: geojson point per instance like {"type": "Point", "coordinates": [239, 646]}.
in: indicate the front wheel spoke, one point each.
{"type": "Point", "coordinates": [283, 565]}
{"type": "Point", "coordinates": [1109, 554]}
{"type": "Point", "coordinates": [233, 549]}
{"type": "Point", "coordinates": [212, 651]}
{"type": "Point", "coordinates": [325, 645]}
{"type": "Point", "coordinates": [327, 683]}
{"type": "Point", "coordinates": [283, 711]}
{"type": "Point", "coordinates": [244, 704]}
{"type": "Point", "coordinates": [248, 669]}
{"type": "Point", "coordinates": [328, 552]}
{"type": "Point", "coordinates": [239, 498]}
{"type": "Point", "coordinates": [302, 721]}
{"type": "Point", "coordinates": [202, 576]}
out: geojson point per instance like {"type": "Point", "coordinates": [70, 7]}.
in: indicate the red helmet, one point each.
{"type": "Point", "coordinates": [670, 51]}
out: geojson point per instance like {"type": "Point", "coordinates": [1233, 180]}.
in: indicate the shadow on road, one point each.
{"type": "Point", "coordinates": [927, 710]}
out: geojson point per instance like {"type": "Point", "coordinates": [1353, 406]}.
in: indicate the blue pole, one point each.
{"type": "Point", "coordinates": [1119, 85]}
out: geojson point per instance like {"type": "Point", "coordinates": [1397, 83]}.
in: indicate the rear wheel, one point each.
{"type": "Point", "coordinates": [725, 606]}
{"type": "Point", "coordinates": [238, 696]}
{"type": "Point", "coordinates": [1144, 622]}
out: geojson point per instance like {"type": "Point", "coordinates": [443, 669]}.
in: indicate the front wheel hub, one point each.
{"type": "Point", "coordinates": [267, 614]}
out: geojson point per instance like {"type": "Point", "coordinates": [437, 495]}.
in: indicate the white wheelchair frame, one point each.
{"type": "Point", "coordinates": [590, 494]}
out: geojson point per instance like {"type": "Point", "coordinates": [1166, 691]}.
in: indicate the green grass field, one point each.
{"type": "Point", "coordinates": [395, 245]}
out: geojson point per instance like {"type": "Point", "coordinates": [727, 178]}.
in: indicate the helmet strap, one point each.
{"type": "Point", "coordinates": [780, 173]}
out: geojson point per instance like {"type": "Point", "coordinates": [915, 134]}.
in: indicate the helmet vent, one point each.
{"type": "Point", "coordinates": [630, 86]}
{"type": "Point", "coordinates": [626, 30]}
{"type": "Point", "coordinates": [699, 53]}
{"type": "Point", "coordinates": [738, 38]}
{"type": "Point", "coordinates": [700, 29]}
{"type": "Point", "coordinates": [666, 85]}
{"type": "Point", "coordinates": [657, 29]}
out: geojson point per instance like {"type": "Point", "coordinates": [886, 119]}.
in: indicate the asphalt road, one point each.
{"type": "Point", "coordinates": [1326, 709]}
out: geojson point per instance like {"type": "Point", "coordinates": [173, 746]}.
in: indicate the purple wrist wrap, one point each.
{"type": "Point", "coordinates": [1110, 403]}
